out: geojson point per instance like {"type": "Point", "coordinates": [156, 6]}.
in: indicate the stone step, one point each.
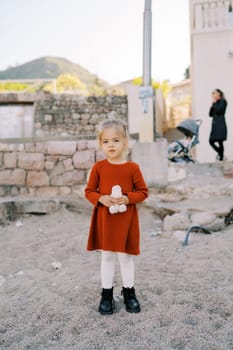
{"type": "Point", "coordinates": [10, 210]}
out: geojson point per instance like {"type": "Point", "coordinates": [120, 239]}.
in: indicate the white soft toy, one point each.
{"type": "Point", "coordinates": [116, 193]}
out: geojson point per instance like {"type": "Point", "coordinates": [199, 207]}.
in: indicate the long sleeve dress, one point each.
{"type": "Point", "coordinates": [218, 128]}
{"type": "Point", "coordinates": [118, 232]}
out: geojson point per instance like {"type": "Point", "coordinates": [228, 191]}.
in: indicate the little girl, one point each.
{"type": "Point", "coordinates": [116, 235]}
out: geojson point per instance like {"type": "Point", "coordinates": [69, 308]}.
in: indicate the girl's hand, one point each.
{"type": "Point", "coordinates": [107, 200]}
{"type": "Point", "coordinates": [122, 200]}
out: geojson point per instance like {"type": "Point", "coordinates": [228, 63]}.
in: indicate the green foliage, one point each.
{"type": "Point", "coordinates": [67, 82]}
{"type": "Point", "coordinates": [4, 87]}
{"type": "Point", "coordinates": [96, 90]}
{"type": "Point", "coordinates": [187, 73]}
{"type": "Point", "coordinates": [164, 85]}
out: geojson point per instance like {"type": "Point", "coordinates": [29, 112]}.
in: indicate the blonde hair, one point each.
{"type": "Point", "coordinates": [118, 124]}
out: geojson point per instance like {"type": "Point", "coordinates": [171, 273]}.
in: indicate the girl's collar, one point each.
{"type": "Point", "coordinates": [117, 163]}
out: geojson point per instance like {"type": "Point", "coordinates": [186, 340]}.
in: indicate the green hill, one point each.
{"type": "Point", "coordinates": [50, 67]}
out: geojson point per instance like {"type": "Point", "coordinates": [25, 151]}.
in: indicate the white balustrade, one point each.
{"type": "Point", "coordinates": [209, 15]}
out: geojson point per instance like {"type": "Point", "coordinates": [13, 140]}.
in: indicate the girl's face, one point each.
{"type": "Point", "coordinates": [113, 144]}
{"type": "Point", "coordinates": [216, 95]}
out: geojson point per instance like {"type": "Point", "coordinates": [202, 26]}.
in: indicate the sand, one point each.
{"type": "Point", "coordinates": [51, 289]}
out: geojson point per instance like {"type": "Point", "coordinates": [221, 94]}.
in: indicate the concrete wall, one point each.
{"type": "Point", "coordinates": [153, 160]}
{"type": "Point", "coordinates": [16, 120]}
{"type": "Point", "coordinates": [211, 67]}
{"type": "Point", "coordinates": [140, 122]}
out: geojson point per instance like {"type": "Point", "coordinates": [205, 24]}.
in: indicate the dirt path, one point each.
{"type": "Point", "coordinates": [186, 293]}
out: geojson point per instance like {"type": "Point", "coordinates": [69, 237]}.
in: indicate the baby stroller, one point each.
{"type": "Point", "coordinates": [179, 151]}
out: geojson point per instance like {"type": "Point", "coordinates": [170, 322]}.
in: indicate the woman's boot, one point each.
{"type": "Point", "coordinates": [106, 302]}
{"type": "Point", "coordinates": [130, 300]}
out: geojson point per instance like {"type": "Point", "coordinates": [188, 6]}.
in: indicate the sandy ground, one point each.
{"type": "Point", "coordinates": [186, 293]}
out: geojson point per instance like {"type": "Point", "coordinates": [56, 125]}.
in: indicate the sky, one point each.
{"type": "Point", "coordinates": [103, 36]}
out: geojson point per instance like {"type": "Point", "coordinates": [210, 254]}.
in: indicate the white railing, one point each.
{"type": "Point", "coordinates": [208, 15]}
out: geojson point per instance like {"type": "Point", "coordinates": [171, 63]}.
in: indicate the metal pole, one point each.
{"type": "Point", "coordinates": [150, 93]}
{"type": "Point", "coordinates": [147, 24]}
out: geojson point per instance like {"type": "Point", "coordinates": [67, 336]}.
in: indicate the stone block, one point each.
{"type": "Point", "coordinates": [36, 207]}
{"type": "Point", "coordinates": [14, 191]}
{"type": "Point", "coordinates": [23, 191]}
{"type": "Point", "coordinates": [29, 147]}
{"type": "Point", "coordinates": [68, 164]}
{"type": "Point", "coordinates": [2, 191]}
{"type": "Point", "coordinates": [57, 170]}
{"type": "Point", "coordinates": [37, 179]}
{"type": "Point", "coordinates": [40, 147]}
{"type": "Point", "coordinates": [84, 159]}
{"type": "Point", "coordinates": [13, 177]}
{"type": "Point", "coordinates": [13, 147]}
{"type": "Point", "coordinates": [82, 145]}
{"type": "Point", "coordinates": [48, 118]}
{"type": "Point", "coordinates": [99, 155]}
{"type": "Point", "coordinates": [64, 191]}
{"type": "Point", "coordinates": [92, 144]}
{"type": "Point", "coordinates": [50, 162]}
{"type": "Point", "coordinates": [75, 116]}
{"type": "Point", "coordinates": [31, 161]}
{"type": "Point", "coordinates": [70, 178]}
{"type": "Point", "coordinates": [21, 147]}
{"type": "Point", "coordinates": [176, 222]}
{"type": "Point", "coordinates": [10, 160]}
{"type": "Point", "coordinates": [203, 218]}
{"type": "Point", "coordinates": [61, 147]}
{"type": "Point", "coordinates": [47, 192]}
{"type": "Point", "coordinates": [6, 212]}
{"type": "Point", "coordinates": [32, 191]}
{"type": "Point", "coordinates": [4, 147]}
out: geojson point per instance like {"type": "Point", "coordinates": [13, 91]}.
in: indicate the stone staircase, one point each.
{"type": "Point", "coordinates": [197, 195]}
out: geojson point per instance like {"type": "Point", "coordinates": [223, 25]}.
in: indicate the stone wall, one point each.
{"type": "Point", "coordinates": [70, 115]}
{"type": "Point", "coordinates": [51, 168]}
{"type": "Point", "coordinates": [56, 159]}
{"type": "Point", "coordinates": [67, 115]}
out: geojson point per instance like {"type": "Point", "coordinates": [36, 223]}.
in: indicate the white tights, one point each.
{"type": "Point", "coordinates": [108, 260]}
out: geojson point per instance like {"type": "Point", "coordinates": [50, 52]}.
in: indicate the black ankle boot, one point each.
{"type": "Point", "coordinates": [130, 300]}
{"type": "Point", "coordinates": [106, 302]}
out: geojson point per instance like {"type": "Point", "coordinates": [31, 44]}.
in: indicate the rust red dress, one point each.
{"type": "Point", "coordinates": [115, 232]}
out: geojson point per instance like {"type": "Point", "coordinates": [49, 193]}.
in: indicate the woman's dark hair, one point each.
{"type": "Point", "coordinates": [221, 93]}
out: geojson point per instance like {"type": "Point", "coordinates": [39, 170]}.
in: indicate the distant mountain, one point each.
{"type": "Point", "coordinates": [50, 67]}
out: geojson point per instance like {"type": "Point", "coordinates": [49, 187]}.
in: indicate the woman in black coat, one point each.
{"type": "Point", "coordinates": [218, 132]}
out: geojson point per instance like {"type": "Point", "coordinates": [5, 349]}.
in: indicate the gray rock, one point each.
{"type": "Point", "coordinates": [203, 219]}
{"type": "Point", "coordinates": [36, 206]}
{"type": "Point", "coordinates": [2, 280]}
{"type": "Point", "coordinates": [176, 222]}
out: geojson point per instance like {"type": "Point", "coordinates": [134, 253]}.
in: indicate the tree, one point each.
{"type": "Point", "coordinates": [66, 83]}
{"type": "Point", "coordinates": [187, 73]}
{"type": "Point", "coordinates": [69, 82]}
{"type": "Point", "coordinates": [164, 86]}
{"type": "Point", "coordinates": [14, 86]}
